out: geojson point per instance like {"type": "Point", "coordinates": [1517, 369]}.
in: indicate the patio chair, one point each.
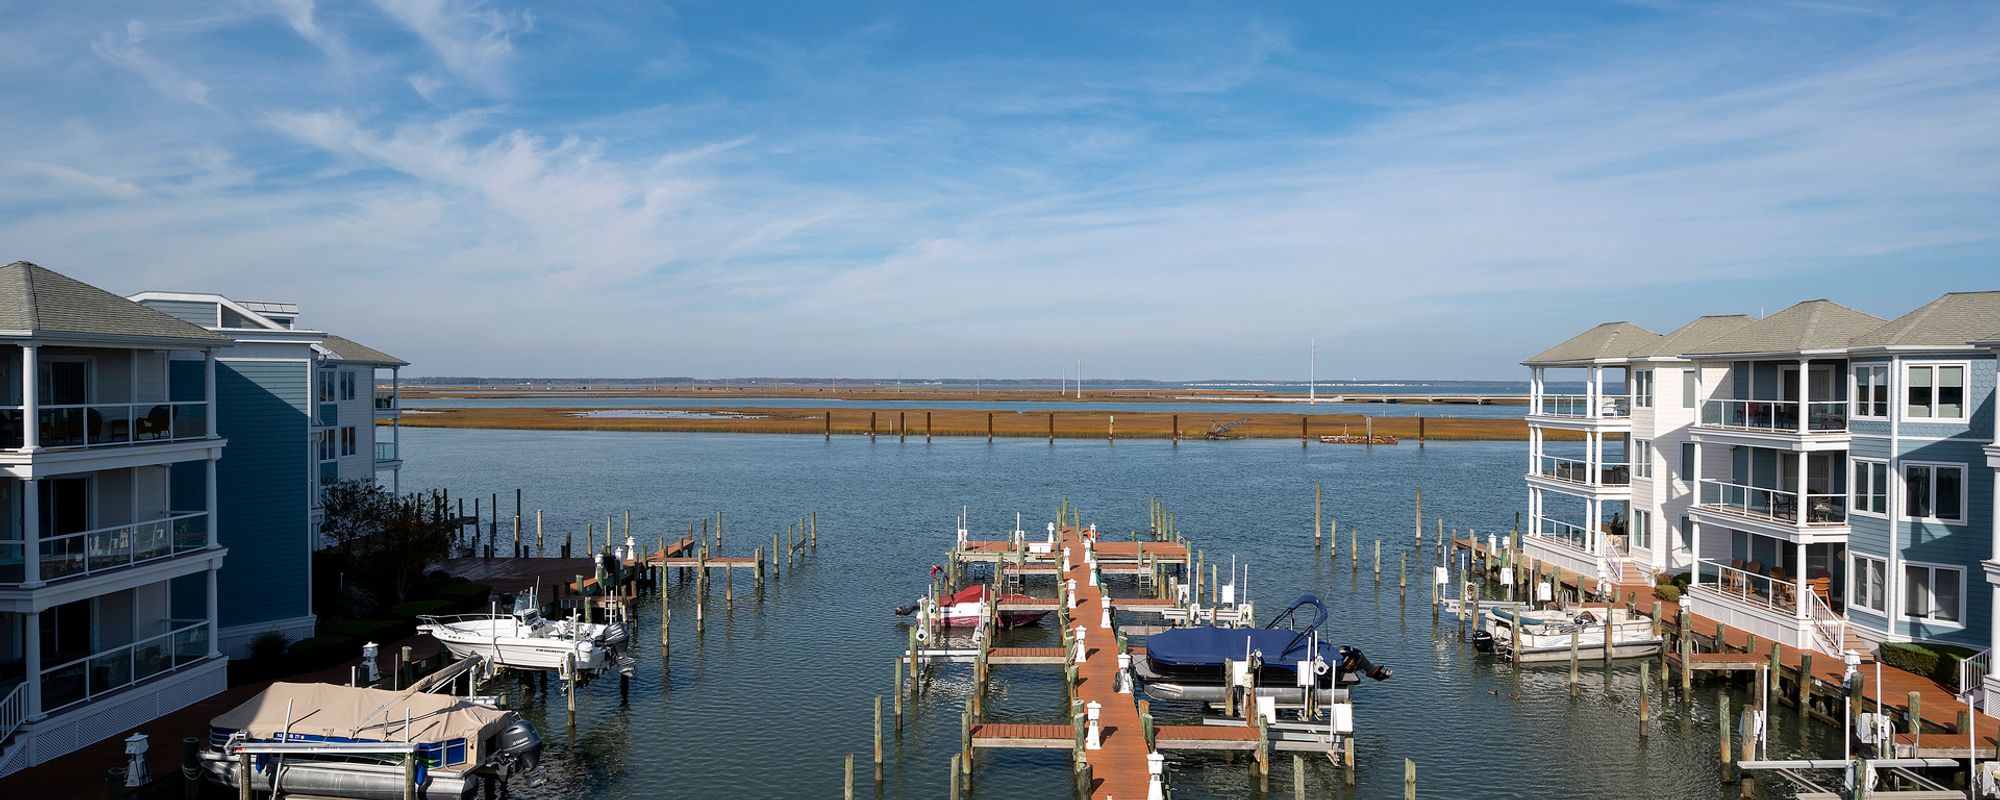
{"type": "Point", "coordinates": [1781, 585]}
{"type": "Point", "coordinates": [156, 423]}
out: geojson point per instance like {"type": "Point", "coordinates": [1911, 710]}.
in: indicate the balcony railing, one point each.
{"type": "Point", "coordinates": [90, 552]}
{"type": "Point", "coordinates": [1575, 535]}
{"type": "Point", "coordinates": [1749, 587]}
{"type": "Point", "coordinates": [78, 681]}
{"type": "Point", "coordinates": [385, 451]}
{"type": "Point", "coordinates": [1577, 471]}
{"type": "Point", "coordinates": [1578, 405]}
{"type": "Point", "coordinates": [1828, 416]}
{"type": "Point", "coordinates": [13, 711]}
{"type": "Point", "coordinates": [1774, 505]}
{"type": "Point", "coordinates": [385, 401]}
{"type": "Point", "coordinates": [107, 424]}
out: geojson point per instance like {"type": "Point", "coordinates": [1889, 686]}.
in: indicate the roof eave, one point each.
{"type": "Point", "coordinates": [106, 339]}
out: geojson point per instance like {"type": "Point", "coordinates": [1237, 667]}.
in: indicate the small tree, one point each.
{"type": "Point", "coordinates": [351, 511]}
{"type": "Point", "coordinates": [411, 537]}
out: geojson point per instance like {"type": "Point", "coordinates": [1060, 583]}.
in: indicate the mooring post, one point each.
{"type": "Point", "coordinates": [848, 781]}
{"type": "Point", "coordinates": [878, 738]}
{"type": "Point", "coordinates": [927, 427]}
{"type": "Point", "coordinates": [1722, 721]}
{"type": "Point", "coordinates": [1316, 516]}
{"type": "Point", "coordinates": [899, 694]}
{"type": "Point", "coordinates": [827, 418]}
{"type": "Point", "coordinates": [1378, 559]}
{"type": "Point", "coordinates": [1805, 681]}
{"type": "Point", "coordinates": [1409, 779]}
{"type": "Point", "coordinates": [1420, 519]}
{"type": "Point", "coordinates": [1645, 696]}
{"type": "Point", "coordinates": [1515, 627]}
{"type": "Point", "coordinates": [1298, 777]}
{"type": "Point", "coordinates": [1686, 640]}
{"type": "Point", "coordinates": [989, 427]}
{"type": "Point", "coordinates": [812, 530]}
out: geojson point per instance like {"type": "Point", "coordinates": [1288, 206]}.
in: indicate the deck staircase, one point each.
{"type": "Point", "coordinates": [13, 713]}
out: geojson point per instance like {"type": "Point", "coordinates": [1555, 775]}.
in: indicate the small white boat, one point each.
{"type": "Point", "coordinates": [1545, 635]}
{"type": "Point", "coordinates": [525, 640]}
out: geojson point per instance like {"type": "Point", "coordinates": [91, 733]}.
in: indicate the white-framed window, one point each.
{"type": "Point", "coordinates": [1642, 458]}
{"type": "Point", "coordinates": [1933, 593]}
{"type": "Point", "coordinates": [1642, 528]}
{"type": "Point", "coordinates": [327, 450]}
{"type": "Point", "coordinates": [1869, 588]}
{"type": "Point", "coordinates": [326, 386]}
{"type": "Point", "coordinates": [1871, 391]}
{"type": "Point", "coordinates": [1870, 484]}
{"type": "Point", "coordinates": [1934, 492]}
{"type": "Point", "coordinates": [1642, 389]}
{"type": "Point", "coordinates": [347, 385]}
{"type": "Point", "coordinates": [1934, 392]}
{"type": "Point", "coordinates": [1687, 461]}
{"type": "Point", "coordinates": [348, 440]}
{"type": "Point", "coordinates": [1690, 390]}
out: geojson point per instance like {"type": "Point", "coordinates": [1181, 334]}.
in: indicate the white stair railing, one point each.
{"type": "Point", "coordinates": [1829, 629]}
{"type": "Point", "coordinates": [1972, 671]}
{"type": "Point", "coordinates": [13, 711]}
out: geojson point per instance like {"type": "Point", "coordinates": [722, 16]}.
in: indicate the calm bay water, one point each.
{"type": "Point", "coordinates": [781, 687]}
{"type": "Point", "coordinates": [1183, 407]}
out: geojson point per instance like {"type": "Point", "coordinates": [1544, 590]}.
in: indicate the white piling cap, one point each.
{"type": "Point", "coordinates": [135, 745]}
{"type": "Point", "coordinates": [1093, 710]}
{"type": "Point", "coordinates": [1156, 763]}
{"type": "Point", "coordinates": [370, 650]}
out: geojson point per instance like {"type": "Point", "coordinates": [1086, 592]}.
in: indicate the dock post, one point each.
{"type": "Point", "coordinates": [878, 738]}
{"type": "Point", "coordinates": [1610, 627]}
{"type": "Point", "coordinates": [1515, 628]}
{"type": "Point", "coordinates": [1804, 687]}
{"type": "Point", "coordinates": [538, 533]}
{"type": "Point", "coordinates": [243, 776]}
{"type": "Point", "coordinates": [954, 778]}
{"type": "Point", "coordinates": [774, 554]}
{"type": "Point", "coordinates": [569, 686]}
{"type": "Point", "coordinates": [902, 428]}
{"type": "Point", "coordinates": [1177, 430]}
{"type": "Point", "coordinates": [827, 431]}
{"type": "Point", "coordinates": [812, 530]}
{"type": "Point", "coordinates": [759, 568]}
{"type": "Point", "coordinates": [1645, 692]}
{"type": "Point", "coordinates": [871, 424]}
{"type": "Point", "coordinates": [989, 427]}
{"type": "Point", "coordinates": [1686, 641]}
{"type": "Point", "coordinates": [899, 694]}
{"type": "Point", "coordinates": [729, 586]}
{"type": "Point", "coordinates": [1402, 573]}
{"type": "Point", "coordinates": [1302, 430]}
{"type": "Point", "coordinates": [1298, 777]}
{"type": "Point", "coordinates": [927, 427]}
{"type": "Point", "coordinates": [1316, 516]}
{"type": "Point", "coordinates": [1378, 559]}
{"type": "Point", "coordinates": [1420, 520]}
{"type": "Point", "coordinates": [848, 784]}
{"type": "Point", "coordinates": [1052, 427]}
{"type": "Point", "coordinates": [1409, 779]}
{"type": "Point", "coordinates": [1916, 716]}
{"type": "Point", "coordinates": [1722, 722]}
{"type": "Point", "coordinates": [1347, 759]}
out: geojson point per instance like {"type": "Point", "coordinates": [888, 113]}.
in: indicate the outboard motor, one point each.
{"type": "Point", "coordinates": [522, 746]}
{"type": "Point", "coordinates": [1354, 664]}
{"type": "Point", "coordinates": [904, 611]}
{"type": "Point", "coordinates": [1482, 641]}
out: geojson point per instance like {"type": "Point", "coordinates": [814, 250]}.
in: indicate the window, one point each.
{"type": "Point", "coordinates": [347, 385]}
{"type": "Point", "coordinates": [1871, 487]}
{"type": "Point", "coordinates": [1932, 593]}
{"type": "Point", "coordinates": [326, 446]}
{"type": "Point", "coordinates": [1868, 588]}
{"type": "Point", "coordinates": [1871, 391]}
{"type": "Point", "coordinates": [1935, 392]}
{"type": "Point", "coordinates": [1642, 458]}
{"type": "Point", "coordinates": [1934, 492]}
{"type": "Point", "coordinates": [1687, 461]}
{"type": "Point", "coordinates": [348, 440]}
{"type": "Point", "coordinates": [1642, 528]}
{"type": "Point", "coordinates": [326, 386]}
{"type": "Point", "coordinates": [1690, 392]}
{"type": "Point", "coordinates": [1687, 533]}
{"type": "Point", "coordinates": [1642, 388]}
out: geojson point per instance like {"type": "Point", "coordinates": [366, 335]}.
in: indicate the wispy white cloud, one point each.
{"type": "Point", "coordinates": [127, 52]}
{"type": "Point", "coordinates": [471, 39]}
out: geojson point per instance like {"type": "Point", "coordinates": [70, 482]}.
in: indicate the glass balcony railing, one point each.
{"type": "Point", "coordinates": [1776, 415]}
{"type": "Point", "coordinates": [78, 681]}
{"type": "Point", "coordinates": [91, 552]}
{"type": "Point", "coordinates": [106, 424]}
{"type": "Point", "coordinates": [1577, 471]}
{"type": "Point", "coordinates": [1575, 536]}
{"type": "Point", "coordinates": [385, 451]}
{"type": "Point", "coordinates": [1578, 405]}
{"type": "Point", "coordinates": [1773, 504]}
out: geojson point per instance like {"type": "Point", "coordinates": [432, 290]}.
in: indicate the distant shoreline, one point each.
{"type": "Point", "coordinates": [1041, 423]}
{"type": "Point", "coordinates": [937, 394]}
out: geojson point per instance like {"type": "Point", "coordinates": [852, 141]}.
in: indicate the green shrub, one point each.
{"type": "Point", "coordinates": [1682, 580]}
{"type": "Point", "coordinates": [268, 647]}
{"type": "Point", "coordinates": [416, 608]}
{"type": "Point", "coordinates": [1949, 657]}
{"type": "Point", "coordinates": [1910, 657]}
{"type": "Point", "coordinates": [1667, 592]}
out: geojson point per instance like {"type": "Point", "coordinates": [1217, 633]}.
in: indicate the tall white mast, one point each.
{"type": "Point", "coordinates": [1312, 379]}
{"type": "Point", "coordinates": [1079, 379]}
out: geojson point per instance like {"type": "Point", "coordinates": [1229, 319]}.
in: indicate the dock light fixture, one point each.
{"type": "Point", "coordinates": [135, 761]}
{"type": "Point", "coordinates": [1124, 673]}
{"type": "Point", "coordinates": [1073, 600]}
{"type": "Point", "coordinates": [1091, 711]}
{"type": "Point", "coordinates": [1080, 651]}
{"type": "Point", "coordinates": [1156, 769]}
{"type": "Point", "coordinates": [1853, 661]}
{"type": "Point", "coordinates": [368, 653]}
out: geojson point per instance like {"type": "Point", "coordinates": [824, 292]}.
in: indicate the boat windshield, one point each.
{"type": "Point", "coordinates": [527, 610]}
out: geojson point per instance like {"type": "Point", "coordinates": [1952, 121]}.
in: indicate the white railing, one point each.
{"type": "Point", "coordinates": [1828, 416]}
{"type": "Point", "coordinates": [1972, 671]}
{"type": "Point", "coordinates": [1749, 587]}
{"type": "Point", "coordinates": [1578, 405]}
{"type": "Point", "coordinates": [1829, 628]}
{"type": "Point", "coordinates": [121, 546]}
{"type": "Point", "coordinates": [107, 424]}
{"type": "Point", "coordinates": [93, 675]}
{"type": "Point", "coordinates": [1577, 471]}
{"type": "Point", "coordinates": [1576, 535]}
{"type": "Point", "coordinates": [385, 451]}
{"type": "Point", "coordinates": [1773, 504]}
{"type": "Point", "coordinates": [13, 712]}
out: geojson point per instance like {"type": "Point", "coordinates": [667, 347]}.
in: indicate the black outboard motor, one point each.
{"type": "Point", "coordinates": [522, 746]}
{"type": "Point", "coordinates": [904, 611]}
{"type": "Point", "coordinates": [1482, 641]}
{"type": "Point", "coordinates": [1354, 664]}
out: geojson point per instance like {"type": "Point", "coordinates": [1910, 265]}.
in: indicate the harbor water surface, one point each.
{"type": "Point", "coordinates": [781, 686]}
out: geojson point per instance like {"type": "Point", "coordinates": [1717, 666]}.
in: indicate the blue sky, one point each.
{"type": "Point", "coordinates": [1161, 191]}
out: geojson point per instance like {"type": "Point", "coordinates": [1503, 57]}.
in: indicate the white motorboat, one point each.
{"type": "Point", "coordinates": [1546, 634]}
{"type": "Point", "coordinates": [525, 640]}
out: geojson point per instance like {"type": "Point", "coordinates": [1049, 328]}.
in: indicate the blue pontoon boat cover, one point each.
{"type": "Point", "coordinates": [1207, 647]}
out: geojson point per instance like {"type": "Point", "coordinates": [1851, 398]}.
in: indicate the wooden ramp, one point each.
{"type": "Point", "coordinates": [1029, 737]}
{"type": "Point", "coordinates": [1205, 737]}
{"type": "Point", "coordinates": [1025, 655]}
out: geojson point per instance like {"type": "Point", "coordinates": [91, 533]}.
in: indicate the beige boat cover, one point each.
{"type": "Point", "coordinates": [345, 712]}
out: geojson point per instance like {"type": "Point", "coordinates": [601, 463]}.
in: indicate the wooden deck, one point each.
{"type": "Point", "coordinates": [1118, 766]}
{"type": "Point", "coordinates": [1031, 737]}
{"type": "Point", "coordinates": [1026, 655]}
{"type": "Point", "coordinates": [1205, 737]}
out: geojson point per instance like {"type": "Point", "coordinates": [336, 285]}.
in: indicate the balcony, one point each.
{"type": "Point", "coordinates": [1776, 416]}
{"type": "Point", "coordinates": [79, 681]}
{"type": "Point", "coordinates": [385, 451]}
{"type": "Point", "coordinates": [95, 552]}
{"type": "Point", "coordinates": [1771, 605]}
{"type": "Point", "coordinates": [1772, 505]}
{"type": "Point", "coordinates": [1578, 405]}
{"type": "Point", "coordinates": [1577, 471]}
{"type": "Point", "coordinates": [386, 402]}
{"type": "Point", "coordinates": [106, 424]}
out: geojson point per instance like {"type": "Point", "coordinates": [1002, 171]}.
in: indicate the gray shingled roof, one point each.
{"type": "Point", "coordinates": [1811, 325]}
{"type": "Point", "coordinates": [1692, 335]}
{"type": "Point", "coordinates": [1949, 321]}
{"type": "Point", "coordinates": [1610, 340]}
{"type": "Point", "coordinates": [36, 301]}
{"type": "Point", "coordinates": [349, 350]}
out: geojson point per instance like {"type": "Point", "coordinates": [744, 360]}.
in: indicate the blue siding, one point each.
{"type": "Point", "coordinates": [262, 491]}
